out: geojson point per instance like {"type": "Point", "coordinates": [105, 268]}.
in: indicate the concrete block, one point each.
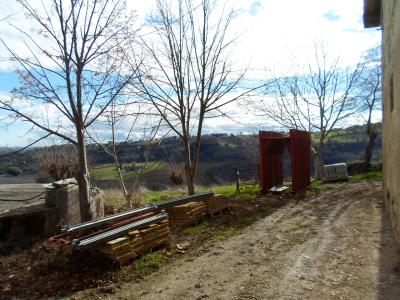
{"type": "Point", "coordinates": [67, 205]}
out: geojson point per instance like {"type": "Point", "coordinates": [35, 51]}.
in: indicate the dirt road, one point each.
{"type": "Point", "coordinates": [334, 246]}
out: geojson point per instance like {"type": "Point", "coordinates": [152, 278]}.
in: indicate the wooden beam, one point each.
{"type": "Point", "coordinates": [372, 13]}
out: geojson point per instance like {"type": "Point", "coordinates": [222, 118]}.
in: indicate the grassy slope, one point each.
{"type": "Point", "coordinates": [108, 171]}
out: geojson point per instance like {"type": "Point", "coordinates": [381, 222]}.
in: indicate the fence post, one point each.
{"type": "Point", "coordinates": [237, 180]}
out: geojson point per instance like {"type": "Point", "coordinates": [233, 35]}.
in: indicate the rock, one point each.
{"type": "Point", "coordinates": [97, 202]}
{"type": "Point", "coordinates": [183, 246]}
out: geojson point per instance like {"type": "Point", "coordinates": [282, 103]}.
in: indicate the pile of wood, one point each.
{"type": "Point", "coordinates": [137, 242]}
{"type": "Point", "coordinates": [217, 204]}
{"type": "Point", "coordinates": [187, 214]}
{"type": "Point", "coordinates": [153, 236]}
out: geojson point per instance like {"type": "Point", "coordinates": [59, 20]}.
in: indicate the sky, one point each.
{"type": "Point", "coordinates": [271, 37]}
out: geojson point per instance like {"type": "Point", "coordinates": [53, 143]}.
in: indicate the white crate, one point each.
{"type": "Point", "coordinates": [336, 172]}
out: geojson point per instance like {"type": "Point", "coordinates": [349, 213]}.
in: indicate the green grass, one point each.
{"type": "Point", "coordinates": [114, 197]}
{"type": "Point", "coordinates": [202, 226]}
{"type": "Point", "coordinates": [297, 227]}
{"type": "Point", "coordinates": [104, 172]}
{"type": "Point", "coordinates": [158, 196]}
{"type": "Point", "coordinates": [246, 192]}
{"type": "Point", "coordinates": [227, 233]}
{"type": "Point", "coordinates": [109, 172]}
{"type": "Point", "coordinates": [316, 187]}
{"type": "Point", "coordinates": [149, 262]}
{"type": "Point", "coordinates": [234, 229]}
{"type": "Point", "coordinates": [366, 176]}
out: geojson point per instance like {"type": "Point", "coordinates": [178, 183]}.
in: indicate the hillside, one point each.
{"type": "Point", "coordinates": [219, 154]}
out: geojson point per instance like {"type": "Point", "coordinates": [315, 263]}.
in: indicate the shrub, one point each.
{"type": "Point", "coordinates": [176, 177]}
{"type": "Point", "coordinates": [14, 171]}
{"type": "Point", "coordinates": [43, 178]}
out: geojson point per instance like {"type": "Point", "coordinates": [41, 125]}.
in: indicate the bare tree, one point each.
{"type": "Point", "coordinates": [72, 71]}
{"type": "Point", "coordinates": [58, 161]}
{"type": "Point", "coordinates": [186, 74]}
{"type": "Point", "coordinates": [316, 99]}
{"type": "Point", "coordinates": [116, 117]}
{"type": "Point", "coordinates": [370, 96]}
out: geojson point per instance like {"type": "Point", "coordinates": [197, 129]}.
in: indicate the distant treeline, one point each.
{"type": "Point", "coordinates": [219, 153]}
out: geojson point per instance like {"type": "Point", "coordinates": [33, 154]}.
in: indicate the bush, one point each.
{"type": "Point", "coordinates": [14, 171]}
{"type": "Point", "coordinates": [43, 178]}
{"type": "Point", "coordinates": [176, 177]}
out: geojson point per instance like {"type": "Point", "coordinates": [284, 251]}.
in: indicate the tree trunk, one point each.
{"type": "Point", "coordinates": [127, 196]}
{"type": "Point", "coordinates": [188, 166]}
{"type": "Point", "coordinates": [190, 185]}
{"type": "Point", "coordinates": [319, 164]}
{"type": "Point", "coordinates": [83, 178]}
{"type": "Point", "coordinates": [196, 154]}
{"type": "Point", "coordinates": [368, 150]}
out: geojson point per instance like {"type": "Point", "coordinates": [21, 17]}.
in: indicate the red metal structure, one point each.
{"type": "Point", "coordinates": [272, 145]}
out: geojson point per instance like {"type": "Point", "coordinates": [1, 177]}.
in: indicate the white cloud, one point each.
{"type": "Point", "coordinates": [273, 35]}
{"type": "Point", "coordinates": [286, 30]}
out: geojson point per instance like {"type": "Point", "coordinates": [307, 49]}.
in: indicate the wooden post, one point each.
{"type": "Point", "coordinates": [237, 180]}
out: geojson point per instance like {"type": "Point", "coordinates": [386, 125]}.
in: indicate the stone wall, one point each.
{"type": "Point", "coordinates": [26, 225]}
{"type": "Point", "coordinates": [391, 117]}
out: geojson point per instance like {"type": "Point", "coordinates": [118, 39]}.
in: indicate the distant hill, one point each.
{"type": "Point", "coordinates": [219, 154]}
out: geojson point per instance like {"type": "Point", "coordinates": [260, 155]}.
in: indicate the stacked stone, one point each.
{"type": "Point", "coordinates": [187, 214]}
{"type": "Point", "coordinates": [217, 204]}
{"type": "Point", "coordinates": [137, 242]}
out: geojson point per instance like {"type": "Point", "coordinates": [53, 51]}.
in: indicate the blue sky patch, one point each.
{"type": "Point", "coordinates": [255, 8]}
{"type": "Point", "coordinates": [332, 16]}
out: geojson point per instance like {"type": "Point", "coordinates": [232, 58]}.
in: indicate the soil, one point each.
{"type": "Point", "coordinates": [335, 245]}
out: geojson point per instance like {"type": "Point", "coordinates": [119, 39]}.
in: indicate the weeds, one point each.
{"type": "Point", "coordinates": [149, 262]}
{"type": "Point", "coordinates": [246, 192]}
{"type": "Point", "coordinates": [297, 227]}
{"type": "Point", "coordinates": [202, 226]}
{"type": "Point", "coordinates": [158, 196]}
{"type": "Point", "coordinates": [234, 229]}
{"type": "Point", "coordinates": [114, 197]}
{"type": "Point", "coordinates": [227, 233]}
{"type": "Point", "coordinates": [366, 176]}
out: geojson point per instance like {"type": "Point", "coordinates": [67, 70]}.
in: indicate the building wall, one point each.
{"type": "Point", "coordinates": [391, 115]}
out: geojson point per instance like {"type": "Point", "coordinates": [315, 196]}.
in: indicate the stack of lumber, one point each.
{"type": "Point", "coordinates": [217, 204]}
{"type": "Point", "coordinates": [119, 250]}
{"type": "Point", "coordinates": [137, 242]}
{"type": "Point", "coordinates": [187, 214]}
{"type": "Point", "coordinates": [153, 236]}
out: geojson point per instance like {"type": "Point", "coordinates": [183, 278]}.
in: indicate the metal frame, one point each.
{"type": "Point", "coordinates": [187, 199]}
{"type": "Point", "coordinates": [272, 146]}
{"type": "Point", "coordinates": [110, 219]}
{"type": "Point", "coordinates": [117, 232]}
